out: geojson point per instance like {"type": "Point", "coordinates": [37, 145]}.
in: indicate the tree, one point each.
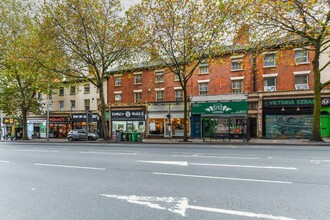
{"type": "Point", "coordinates": [182, 34]}
{"type": "Point", "coordinates": [307, 19]}
{"type": "Point", "coordinates": [21, 77]}
{"type": "Point", "coordinates": [94, 36]}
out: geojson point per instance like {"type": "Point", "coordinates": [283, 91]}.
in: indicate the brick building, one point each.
{"type": "Point", "coordinates": [277, 83]}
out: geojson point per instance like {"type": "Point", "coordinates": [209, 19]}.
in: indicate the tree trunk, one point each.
{"type": "Point", "coordinates": [316, 133]}
{"type": "Point", "coordinates": [106, 135]}
{"type": "Point", "coordinates": [185, 113]}
{"type": "Point", "coordinates": [24, 122]}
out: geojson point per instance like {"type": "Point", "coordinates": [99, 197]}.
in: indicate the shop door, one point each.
{"type": "Point", "coordinates": [325, 126]}
{"type": "Point", "coordinates": [196, 126]}
{"type": "Point", "coordinates": [206, 128]}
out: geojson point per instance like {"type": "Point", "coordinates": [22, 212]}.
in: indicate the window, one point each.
{"type": "Point", "coordinates": [203, 88]}
{"type": "Point", "coordinates": [50, 96]}
{"type": "Point", "coordinates": [118, 81]}
{"type": "Point", "coordinates": [137, 97]}
{"type": "Point", "coordinates": [236, 64]}
{"type": "Point", "coordinates": [87, 104]}
{"type": "Point", "coordinates": [301, 82]}
{"type": "Point", "coordinates": [237, 86]}
{"type": "Point", "coordinates": [301, 56]}
{"type": "Point", "coordinates": [203, 68]}
{"type": "Point", "coordinates": [178, 95]}
{"type": "Point", "coordinates": [73, 105]}
{"type": "Point", "coordinates": [159, 76]}
{"type": "Point", "coordinates": [72, 90]}
{"type": "Point", "coordinates": [137, 78]}
{"type": "Point", "coordinates": [159, 96]}
{"type": "Point", "coordinates": [269, 60]}
{"type": "Point", "coordinates": [87, 89]}
{"type": "Point", "coordinates": [270, 84]}
{"type": "Point", "coordinates": [61, 91]}
{"type": "Point", "coordinates": [176, 77]}
{"type": "Point", "coordinates": [61, 105]}
{"type": "Point", "coordinates": [118, 97]}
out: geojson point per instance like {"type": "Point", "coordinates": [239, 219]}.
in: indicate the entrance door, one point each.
{"type": "Point", "coordinates": [196, 126]}
{"type": "Point", "coordinates": [206, 128]}
{"type": "Point", "coordinates": [325, 126]}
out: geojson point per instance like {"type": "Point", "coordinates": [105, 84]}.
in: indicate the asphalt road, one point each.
{"type": "Point", "coordinates": [117, 181]}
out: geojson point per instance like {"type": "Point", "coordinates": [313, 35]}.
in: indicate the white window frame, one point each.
{"type": "Point", "coordinates": [159, 95]}
{"type": "Point", "coordinates": [73, 105]}
{"type": "Point", "coordinates": [73, 90]}
{"type": "Point", "coordinates": [203, 82]}
{"type": "Point", "coordinates": [61, 104]}
{"type": "Point", "coordinates": [138, 78]}
{"type": "Point", "coordinates": [176, 77]}
{"type": "Point", "coordinates": [159, 73]}
{"type": "Point", "coordinates": [264, 59]}
{"type": "Point", "coordinates": [237, 59]}
{"type": "Point", "coordinates": [87, 101]}
{"type": "Point", "coordinates": [87, 89]}
{"type": "Point", "coordinates": [61, 91]}
{"type": "Point", "coordinates": [296, 59]}
{"type": "Point", "coordinates": [203, 66]}
{"type": "Point", "coordinates": [235, 89]}
{"type": "Point", "coordinates": [178, 90]}
{"type": "Point", "coordinates": [136, 94]}
{"type": "Point", "coordinates": [301, 74]}
{"type": "Point", "coordinates": [270, 76]}
{"type": "Point", "coordinates": [117, 80]}
{"type": "Point", "coordinates": [118, 96]}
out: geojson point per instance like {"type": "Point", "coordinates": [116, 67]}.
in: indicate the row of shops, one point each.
{"type": "Point", "coordinates": [209, 117]}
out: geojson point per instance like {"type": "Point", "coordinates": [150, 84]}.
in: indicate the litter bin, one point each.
{"type": "Point", "coordinates": [134, 136]}
{"type": "Point", "coordinates": [129, 136]}
{"type": "Point", "coordinates": [124, 136]}
{"type": "Point", "coordinates": [139, 137]}
{"type": "Point", "coordinates": [119, 135]}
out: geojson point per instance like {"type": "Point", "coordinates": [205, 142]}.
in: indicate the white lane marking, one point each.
{"type": "Point", "coordinates": [185, 163]}
{"type": "Point", "coordinates": [321, 162]}
{"type": "Point", "coordinates": [100, 152]}
{"type": "Point", "coordinates": [35, 150]}
{"type": "Point", "coordinates": [222, 178]}
{"type": "Point", "coordinates": [4, 161]}
{"type": "Point", "coordinates": [67, 166]}
{"type": "Point", "coordinates": [213, 156]}
{"type": "Point", "coordinates": [178, 163]}
{"type": "Point", "coordinates": [180, 205]}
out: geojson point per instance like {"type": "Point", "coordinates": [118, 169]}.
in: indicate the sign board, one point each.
{"type": "Point", "coordinates": [224, 108]}
{"type": "Point", "coordinates": [294, 103]}
{"type": "Point", "coordinates": [128, 115]}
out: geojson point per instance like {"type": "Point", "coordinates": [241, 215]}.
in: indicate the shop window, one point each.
{"type": "Point", "coordinates": [156, 126]}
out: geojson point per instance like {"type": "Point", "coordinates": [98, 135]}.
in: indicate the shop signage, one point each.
{"type": "Point", "coordinates": [129, 114]}
{"type": "Point", "coordinates": [9, 121]}
{"type": "Point", "coordinates": [82, 117]}
{"type": "Point", "coordinates": [36, 121]}
{"type": "Point", "coordinates": [59, 120]}
{"type": "Point", "coordinates": [294, 102]}
{"type": "Point", "coordinates": [226, 108]}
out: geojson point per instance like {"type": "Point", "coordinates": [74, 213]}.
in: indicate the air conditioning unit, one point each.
{"type": "Point", "coordinates": [301, 86]}
{"type": "Point", "coordinates": [269, 88]}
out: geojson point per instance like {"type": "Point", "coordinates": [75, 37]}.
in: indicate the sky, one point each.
{"type": "Point", "coordinates": [128, 3]}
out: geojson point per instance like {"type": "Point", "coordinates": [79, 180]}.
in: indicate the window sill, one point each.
{"type": "Point", "coordinates": [118, 85]}
{"type": "Point", "coordinates": [265, 67]}
{"type": "Point", "coordinates": [303, 63]}
{"type": "Point", "coordinates": [237, 70]}
{"type": "Point", "coordinates": [203, 73]}
{"type": "Point", "coordinates": [159, 82]}
{"type": "Point", "coordinates": [137, 83]}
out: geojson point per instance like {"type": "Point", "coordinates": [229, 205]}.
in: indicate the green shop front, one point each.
{"type": "Point", "coordinates": [220, 120]}
{"type": "Point", "coordinates": [292, 118]}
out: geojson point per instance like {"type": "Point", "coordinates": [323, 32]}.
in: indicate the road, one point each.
{"type": "Point", "coordinates": [117, 181]}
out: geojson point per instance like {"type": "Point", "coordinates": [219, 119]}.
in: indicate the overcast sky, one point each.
{"type": "Point", "coordinates": [128, 3]}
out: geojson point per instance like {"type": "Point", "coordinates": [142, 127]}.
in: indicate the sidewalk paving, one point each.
{"type": "Point", "coordinates": [254, 141]}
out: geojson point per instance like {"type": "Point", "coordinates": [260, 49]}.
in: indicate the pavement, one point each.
{"type": "Point", "coordinates": [253, 141]}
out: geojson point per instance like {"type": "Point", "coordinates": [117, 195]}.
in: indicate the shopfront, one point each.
{"type": "Point", "coordinates": [36, 128]}
{"type": "Point", "coordinates": [59, 127]}
{"type": "Point", "coordinates": [128, 121]}
{"type": "Point", "coordinates": [220, 120]}
{"type": "Point", "coordinates": [10, 128]}
{"type": "Point", "coordinates": [292, 118]}
{"type": "Point", "coordinates": [166, 119]}
{"type": "Point", "coordinates": [78, 121]}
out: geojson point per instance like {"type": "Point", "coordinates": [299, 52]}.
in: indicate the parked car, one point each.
{"type": "Point", "coordinates": [81, 134]}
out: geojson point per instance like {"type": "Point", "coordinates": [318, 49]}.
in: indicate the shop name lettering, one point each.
{"type": "Point", "coordinates": [127, 114]}
{"type": "Point", "coordinates": [292, 102]}
{"type": "Point", "coordinates": [216, 108]}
